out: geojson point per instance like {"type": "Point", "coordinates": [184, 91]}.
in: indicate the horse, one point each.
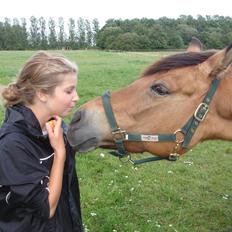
{"type": "Point", "coordinates": [177, 102]}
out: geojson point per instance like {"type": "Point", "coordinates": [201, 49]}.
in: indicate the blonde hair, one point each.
{"type": "Point", "coordinates": [41, 72]}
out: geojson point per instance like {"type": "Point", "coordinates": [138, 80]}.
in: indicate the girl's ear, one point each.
{"type": "Point", "coordinates": [41, 95]}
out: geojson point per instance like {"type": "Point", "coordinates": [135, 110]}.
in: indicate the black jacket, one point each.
{"type": "Point", "coordinates": [26, 158]}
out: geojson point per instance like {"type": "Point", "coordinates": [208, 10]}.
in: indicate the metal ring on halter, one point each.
{"type": "Point", "coordinates": [182, 134]}
{"type": "Point", "coordinates": [124, 160]}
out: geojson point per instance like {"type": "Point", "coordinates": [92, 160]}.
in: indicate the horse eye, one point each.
{"type": "Point", "coordinates": [159, 89]}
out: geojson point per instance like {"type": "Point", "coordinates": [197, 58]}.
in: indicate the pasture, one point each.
{"type": "Point", "coordinates": [192, 194]}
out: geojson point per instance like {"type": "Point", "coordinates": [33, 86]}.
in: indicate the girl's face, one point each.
{"type": "Point", "coordinates": [64, 97]}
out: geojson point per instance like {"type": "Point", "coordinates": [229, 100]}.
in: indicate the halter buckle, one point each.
{"type": "Point", "coordinates": [173, 157]}
{"type": "Point", "coordinates": [119, 134]}
{"type": "Point", "coordinates": [201, 111]}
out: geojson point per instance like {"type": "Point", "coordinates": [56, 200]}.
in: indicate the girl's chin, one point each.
{"type": "Point", "coordinates": [66, 113]}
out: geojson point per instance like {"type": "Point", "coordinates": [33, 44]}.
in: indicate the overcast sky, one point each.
{"type": "Point", "coordinates": [106, 9]}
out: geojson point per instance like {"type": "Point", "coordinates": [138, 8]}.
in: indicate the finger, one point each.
{"type": "Point", "coordinates": [58, 121]}
{"type": "Point", "coordinates": [49, 128]}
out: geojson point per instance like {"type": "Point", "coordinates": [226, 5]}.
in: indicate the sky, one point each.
{"type": "Point", "coordinates": [116, 9]}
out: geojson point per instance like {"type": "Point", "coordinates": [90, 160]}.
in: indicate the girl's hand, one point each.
{"type": "Point", "coordinates": [55, 134]}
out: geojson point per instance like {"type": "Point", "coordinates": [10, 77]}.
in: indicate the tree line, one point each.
{"type": "Point", "coordinates": [129, 35]}
{"type": "Point", "coordinates": [165, 33]}
{"type": "Point", "coordinates": [39, 33]}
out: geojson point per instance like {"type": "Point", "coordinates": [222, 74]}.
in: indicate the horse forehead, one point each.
{"type": "Point", "coordinates": [180, 75]}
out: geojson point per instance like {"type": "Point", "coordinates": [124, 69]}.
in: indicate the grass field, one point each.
{"type": "Point", "coordinates": [192, 194]}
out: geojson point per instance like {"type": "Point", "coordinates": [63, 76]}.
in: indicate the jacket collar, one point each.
{"type": "Point", "coordinates": [20, 117]}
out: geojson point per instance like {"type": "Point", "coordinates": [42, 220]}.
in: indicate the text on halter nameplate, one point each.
{"type": "Point", "coordinates": [150, 138]}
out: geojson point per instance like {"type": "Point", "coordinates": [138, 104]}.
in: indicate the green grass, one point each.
{"type": "Point", "coordinates": [192, 194]}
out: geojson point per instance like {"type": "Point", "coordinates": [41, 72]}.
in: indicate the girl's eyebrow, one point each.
{"type": "Point", "coordinates": [71, 87]}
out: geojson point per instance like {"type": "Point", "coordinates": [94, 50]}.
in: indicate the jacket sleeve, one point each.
{"type": "Point", "coordinates": [24, 178]}
{"type": "Point", "coordinates": [33, 198]}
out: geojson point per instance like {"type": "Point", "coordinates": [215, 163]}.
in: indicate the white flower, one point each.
{"type": "Point", "coordinates": [170, 172]}
{"type": "Point", "coordinates": [157, 225]}
{"type": "Point", "coordinates": [85, 228]}
{"type": "Point", "coordinates": [188, 162]}
{"type": "Point", "coordinates": [102, 155]}
{"type": "Point", "coordinates": [111, 182]}
{"type": "Point", "coordinates": [93, 214]}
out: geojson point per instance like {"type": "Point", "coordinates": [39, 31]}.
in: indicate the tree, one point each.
{"type": "Point", "coordinates": [107, 36]}
{"type": "Point", "coordinates": [17, 36]}
{"type": "Point", "coordinates": [128, 41]}
{"type": "Point", "coordinates": [24, 33]}
{"type": "Point", "coordinates": [158, 38]}
{"type": "Point", "coordinates": [95, 31]}
{"type": "Point", "coordinates": [175, 40]}
{"type": "Point", "coordinates": [2, 31]}
{"type": "Point", "coordinates": [81, 35]}
{"type": "Point", "coordinates": [72, 35]}
{"type": "Point", "coordinates": [52, 39]}
{"type": "Point", "coordinates": [187, 32]}
{"type": "Point", "coordinates": [34, 33]}
{"type": "Point", "coordinates": [89, 34]}
{"type": "Point", "coordinates": [44, 40]}
{"type": "Point", "coordinates": [61, 34]}
{"type": "Point", "coordinates": [7, 36]}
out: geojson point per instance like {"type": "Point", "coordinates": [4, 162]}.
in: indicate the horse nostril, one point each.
{"type": "Point", "coordinates": [77, 117]}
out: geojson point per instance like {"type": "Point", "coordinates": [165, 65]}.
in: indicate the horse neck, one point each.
{"type": "Point", "coordinates": [220, 118]}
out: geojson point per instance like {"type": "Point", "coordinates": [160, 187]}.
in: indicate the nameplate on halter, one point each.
{"type": "Point", "coordinates": [150, 138]}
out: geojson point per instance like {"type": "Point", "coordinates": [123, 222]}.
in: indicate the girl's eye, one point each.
{"type": "Point", "coordinates": [159, 89]}
{"type": "Point", "coordinates": [70, 91]}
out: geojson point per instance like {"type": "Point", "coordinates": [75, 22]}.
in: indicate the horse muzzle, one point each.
{"type": "Point", "coordinates": [84, 132]}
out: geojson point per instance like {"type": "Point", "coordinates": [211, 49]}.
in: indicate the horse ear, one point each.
{"type": "Point", "coordinates": [225, 63]}
{"type": "Point", "coordinates": [218, 64]}
{"type": "Point", "coordinates": [195, 45]}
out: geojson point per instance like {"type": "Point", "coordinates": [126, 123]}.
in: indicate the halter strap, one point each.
{"type": "Point", "coordinates": [199, 115]}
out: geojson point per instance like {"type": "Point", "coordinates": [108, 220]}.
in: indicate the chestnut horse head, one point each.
{"type": "Point", "coordinates": [177, 102]}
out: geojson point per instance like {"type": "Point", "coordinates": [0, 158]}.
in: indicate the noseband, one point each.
{"type": "Point", "coordinates": [180, 137]}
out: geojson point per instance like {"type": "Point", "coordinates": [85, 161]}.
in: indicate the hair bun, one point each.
{"type": "Point", "coordinates": [11, 94]}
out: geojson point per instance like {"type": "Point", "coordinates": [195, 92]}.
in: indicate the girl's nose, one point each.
{"type": "Point", "coordinates": [76, 97]}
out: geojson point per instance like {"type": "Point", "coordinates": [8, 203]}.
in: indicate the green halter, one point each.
{"type": "Point", "coordinates": [187, 130]}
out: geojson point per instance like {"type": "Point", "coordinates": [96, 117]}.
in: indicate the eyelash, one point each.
{"type": "Point", "coordinates": [69, 91]}
{"type": "Point", "coordinates": [159, 89]}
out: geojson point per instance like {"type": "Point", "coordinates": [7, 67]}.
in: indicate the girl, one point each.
{"type": "Point", "coordinates": [38, 184]}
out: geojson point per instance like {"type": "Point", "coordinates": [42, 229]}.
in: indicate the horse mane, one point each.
{"type": "Point", "coordinates": [178, 61]}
